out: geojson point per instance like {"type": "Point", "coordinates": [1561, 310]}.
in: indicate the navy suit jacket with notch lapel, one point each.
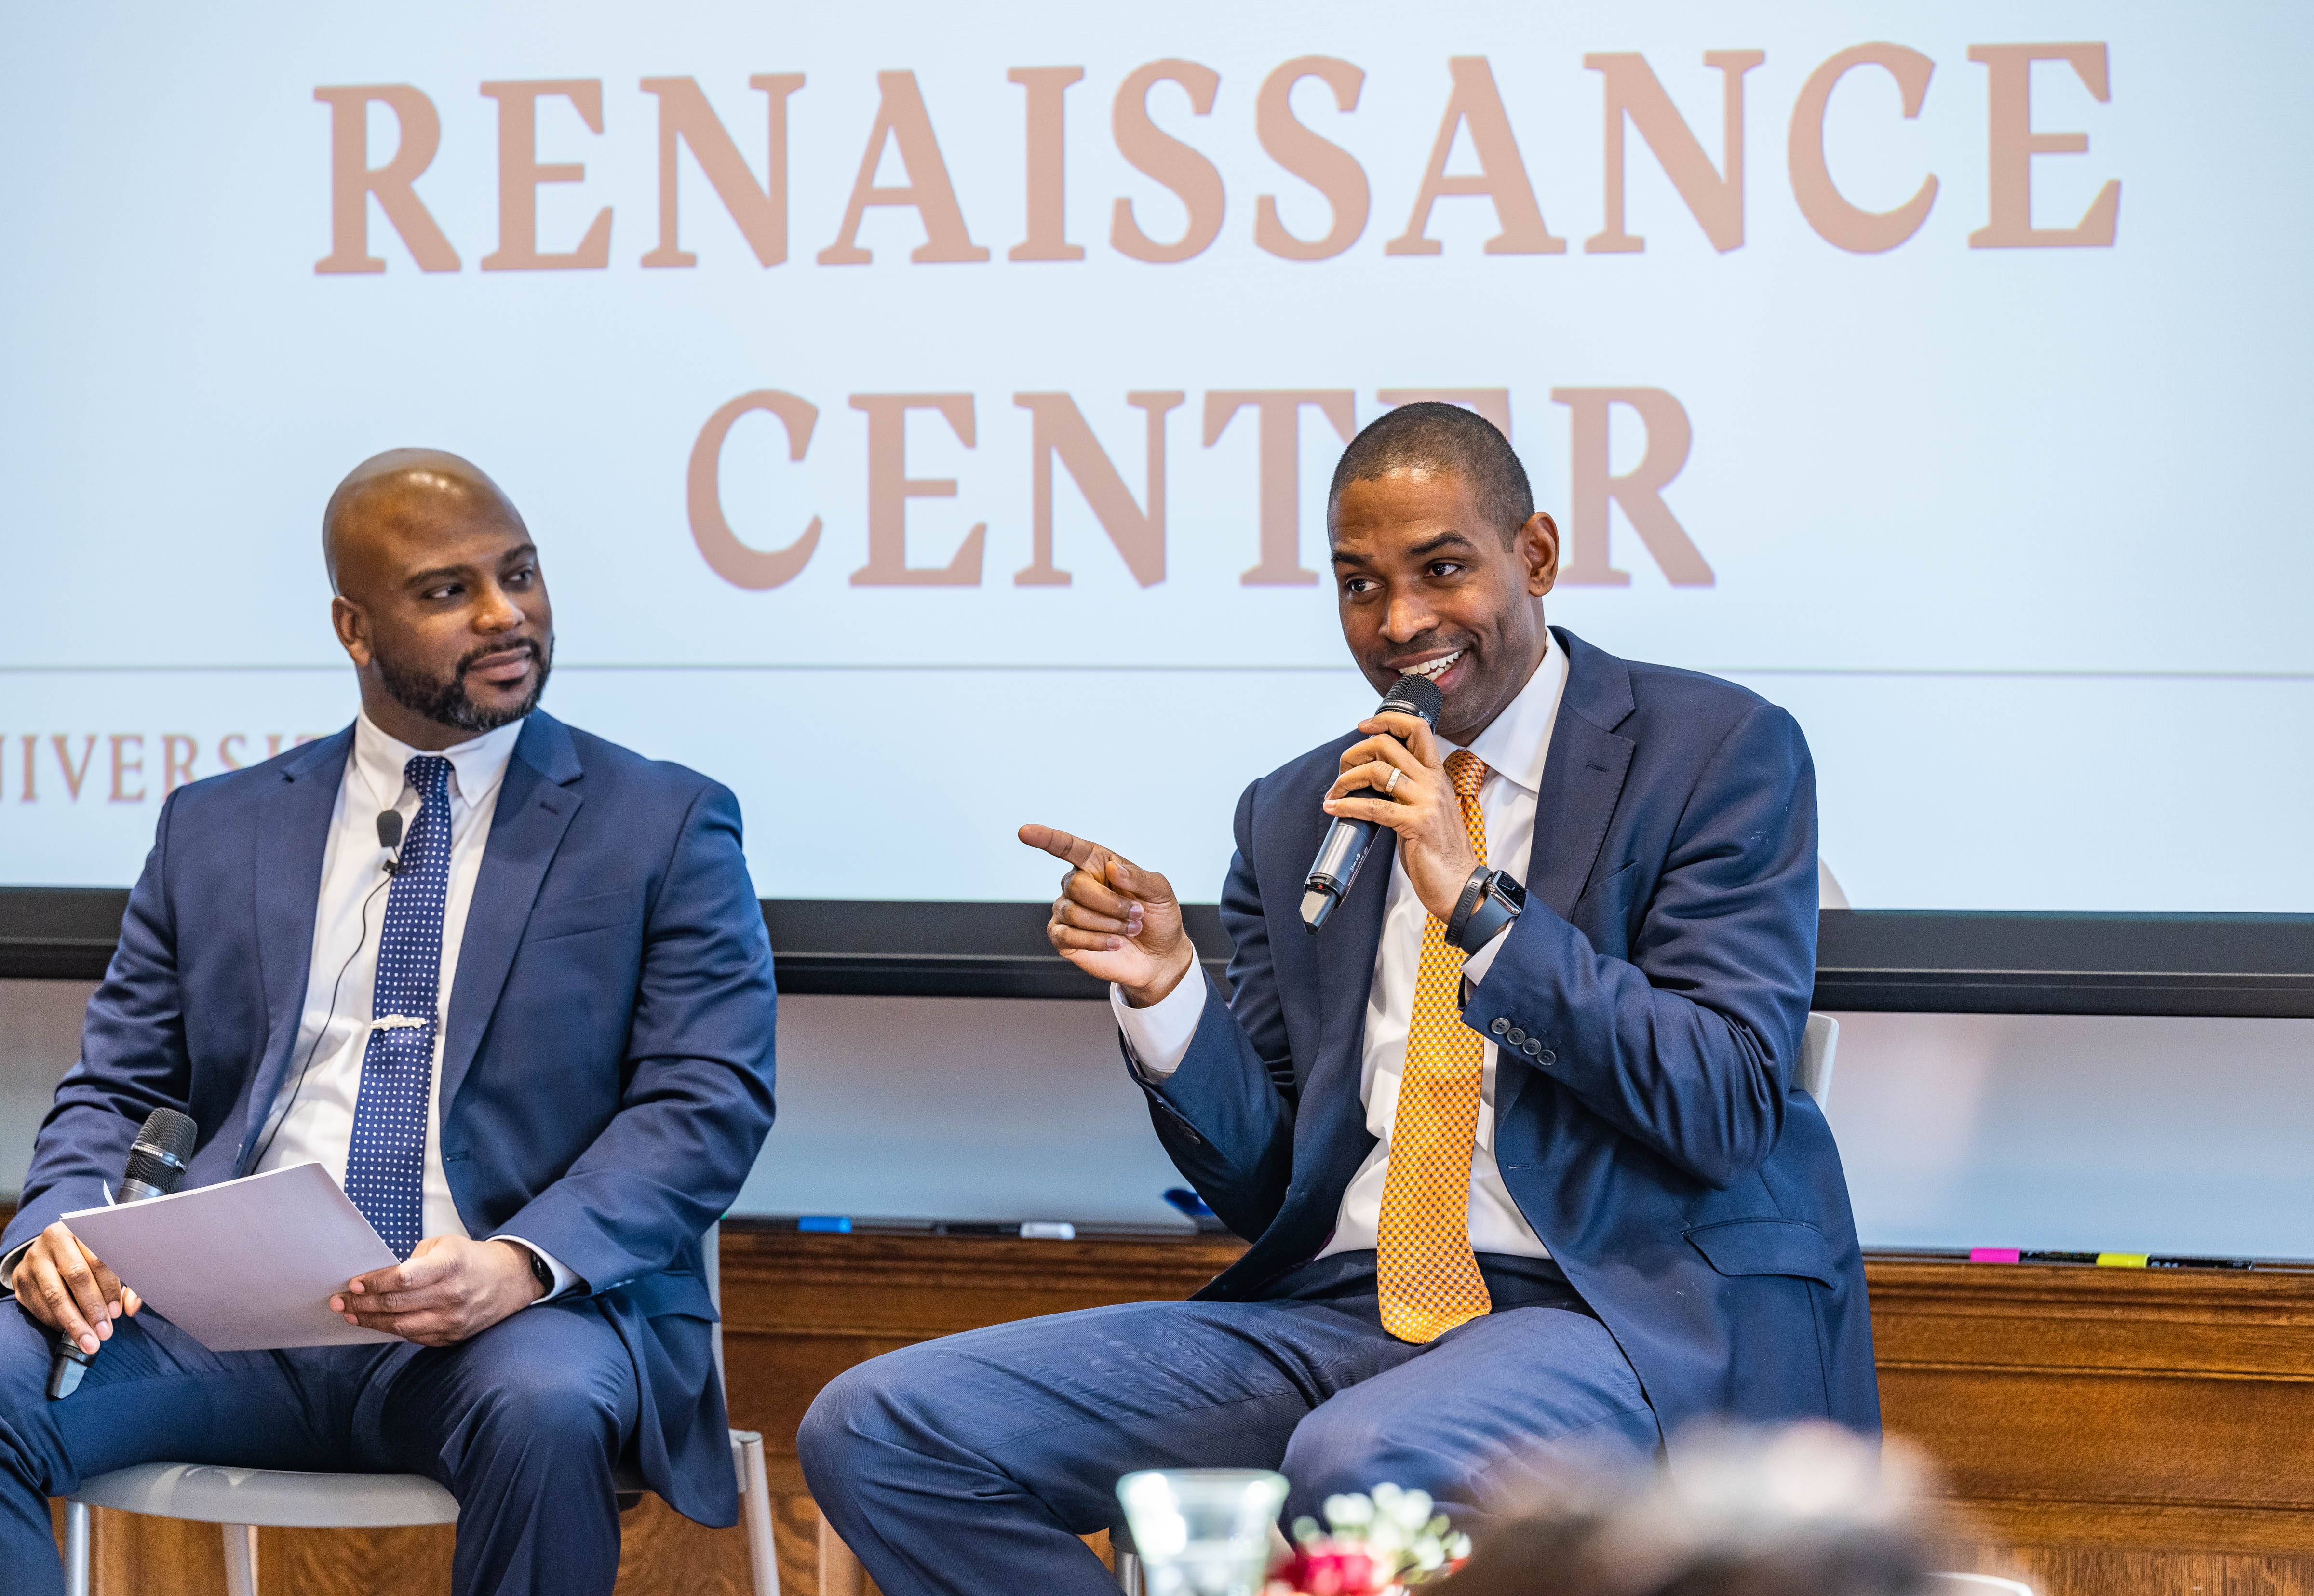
{"type": "Point", "coordinates": [607, 1065]}
{"type": "Point", "coordinates": [1657, 1145]}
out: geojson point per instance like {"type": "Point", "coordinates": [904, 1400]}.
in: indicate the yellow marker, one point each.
{"type": "Point", "coordinates": [2121, 1260]}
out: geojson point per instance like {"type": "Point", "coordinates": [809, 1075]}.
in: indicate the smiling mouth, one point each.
{"type": "Point", "coordinates": [1435, 668]}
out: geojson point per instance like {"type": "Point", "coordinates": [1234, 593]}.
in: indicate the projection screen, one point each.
{"type": "Point", "coordinates": [925, 414]}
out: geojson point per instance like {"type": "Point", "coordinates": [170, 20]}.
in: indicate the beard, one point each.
{"type": "Point", "coordinates": [444, 701]}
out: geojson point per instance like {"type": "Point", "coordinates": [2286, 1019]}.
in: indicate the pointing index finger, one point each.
{"type": "Point", "coordinates": [1058, 844]}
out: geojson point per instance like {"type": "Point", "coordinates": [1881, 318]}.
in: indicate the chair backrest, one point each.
{"type": "Point", "coordinates": [1818, 1043]}
{"type": "Point", "coordinates": [710, 1261]}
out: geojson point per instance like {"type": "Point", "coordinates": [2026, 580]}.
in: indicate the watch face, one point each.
{"type": "Point", "coordinates": [1508, 887]}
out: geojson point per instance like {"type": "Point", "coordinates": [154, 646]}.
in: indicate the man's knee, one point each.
{"type": "Point", "coordinates": [860, 1406]}
{"type": "Point", "coordinates": [1345, 1447]}
{"type": "Point", "coordinates": [1340, 1449]}
{"type": "Point", "coordinates": [1351, 1447]}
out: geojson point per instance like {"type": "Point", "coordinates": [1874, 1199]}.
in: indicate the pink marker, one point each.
{"type": "Point", "coordinates": [1992, 1254]}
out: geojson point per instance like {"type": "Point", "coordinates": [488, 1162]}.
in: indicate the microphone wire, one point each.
{"type": "Point", "coordinates": [336, 988]}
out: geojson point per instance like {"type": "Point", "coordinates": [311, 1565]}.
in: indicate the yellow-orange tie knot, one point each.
{"type": "Point", "coordinates": [1428, 1280]}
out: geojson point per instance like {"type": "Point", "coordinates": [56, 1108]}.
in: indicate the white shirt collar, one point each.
{"type": "Point", "coordinates": [476, 767]}
{"type": "Point", "coordinates": [1517, 741]}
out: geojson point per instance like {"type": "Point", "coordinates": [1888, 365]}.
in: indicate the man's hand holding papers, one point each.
{"type": "Point", "coordinates": [448, 1289]}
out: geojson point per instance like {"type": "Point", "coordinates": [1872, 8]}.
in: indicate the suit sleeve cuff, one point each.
{"type": "Point", "coordinates": [563, 1278]}
{"type": "Point", "coordinates": [1157, 1038]}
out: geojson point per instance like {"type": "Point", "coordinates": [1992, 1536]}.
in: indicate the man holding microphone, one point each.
{"type": "Point", "coordinates": [1514, 1136]}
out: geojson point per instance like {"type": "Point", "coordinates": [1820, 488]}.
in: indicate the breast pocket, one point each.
{"type": "Point", "coordinates": [577, 916]}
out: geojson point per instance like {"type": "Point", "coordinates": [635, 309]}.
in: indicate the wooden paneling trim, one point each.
{"type": "Point", "coordinates": [786, 1283]}
{"type": "Point", "coordinates": [2142, 1527]}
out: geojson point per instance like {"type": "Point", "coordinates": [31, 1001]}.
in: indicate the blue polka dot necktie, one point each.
{"type": "Point", "coordinates": [386, 1165]}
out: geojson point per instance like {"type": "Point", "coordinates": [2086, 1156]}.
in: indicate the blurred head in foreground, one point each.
{"type": "Point", "coordinates": [1808, 1511]}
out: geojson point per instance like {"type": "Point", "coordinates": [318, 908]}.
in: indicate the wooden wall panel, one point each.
{"type": "Point", "coordinates": [2109, 1433]}
{"type": "Point", "coordinates": [2119, 1409]}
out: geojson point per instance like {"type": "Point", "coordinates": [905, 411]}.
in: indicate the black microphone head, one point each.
{"type": "Point", "coordinates": [389, 829]}
{"type": "Point", "coordinates": [1416, 695]}
{"type": "Point", "coordinates": [163, 1148]}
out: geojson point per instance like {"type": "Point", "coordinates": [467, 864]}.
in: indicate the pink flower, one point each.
{"type": "Point", "coordinates": [1328, 1569]}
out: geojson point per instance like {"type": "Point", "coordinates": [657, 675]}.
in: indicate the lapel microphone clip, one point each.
{"type": "Point", "coordinates": [389, 837]}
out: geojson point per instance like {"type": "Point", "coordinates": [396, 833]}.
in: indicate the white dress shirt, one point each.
{"type": "Point", "coordinates": [312, 1120]}
{"type": "Point", "coordinates": [1514, 747]}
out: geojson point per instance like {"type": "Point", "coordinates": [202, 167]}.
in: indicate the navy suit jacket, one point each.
{"type": "Point", "coordinates": [1657, 1144]}
{"type": "Point", "coordinates": [607, 1071]}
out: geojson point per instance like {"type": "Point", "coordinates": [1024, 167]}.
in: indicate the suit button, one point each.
{"type": "Point", "coordinates": [1534, 1047]}
{"type": "Point", "coordinates": [1500, 1025]}
{"type": "Point", "coordinates": [1546, 1057]}
{"type": "Point", "coordinates": [1515, 1037]}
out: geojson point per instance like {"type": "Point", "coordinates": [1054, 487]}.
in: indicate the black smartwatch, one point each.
{"type": "Point", "coordinates": [541, 1272]}
{"type": "Point", "coordinates": [1491, 900]}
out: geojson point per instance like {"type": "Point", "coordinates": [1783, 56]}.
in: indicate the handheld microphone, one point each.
{"type": "Point", "coordinates": [389, 837]}
{"type": "Point", "coordinates": [157, 1166]}
{"type": "Point", "coordinates": [1345, 847]}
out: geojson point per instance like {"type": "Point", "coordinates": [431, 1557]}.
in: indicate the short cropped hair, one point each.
{"type": "Point", "coordinates": [1447, 440]}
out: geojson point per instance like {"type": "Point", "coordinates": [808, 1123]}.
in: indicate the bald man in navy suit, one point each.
{"type": "Point", "coordinates": [538, 1052]}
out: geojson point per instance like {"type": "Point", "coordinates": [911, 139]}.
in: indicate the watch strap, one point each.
{"type": "Point", "coordinates": [1490, 900]}
{"type": "Point", "coordinates": [1474, 893]}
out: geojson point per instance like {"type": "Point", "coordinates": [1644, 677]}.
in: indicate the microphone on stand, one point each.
{"type": "Point", "coordinates": [157, 1166]}
{"type": "Point", "coordinates": [1345, 847]}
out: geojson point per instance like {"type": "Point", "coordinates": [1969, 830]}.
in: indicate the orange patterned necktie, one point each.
{"type": "Point", "coordinates": [1428, 1280]}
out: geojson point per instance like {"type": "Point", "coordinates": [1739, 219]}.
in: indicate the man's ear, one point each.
{"type": "Point", "coordinates": [1537, 544]}
{"type": "Point", "coordinates": [352, 627]}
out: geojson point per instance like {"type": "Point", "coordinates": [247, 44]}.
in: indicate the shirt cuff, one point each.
{"type": "Point", "coordinates": [563, 1278]}
{"type": "Point", "coordinates": [1475, 967]}
{"type": "Point", "coordinates": [15, 1256]}
{"type": "Point", "coordinates": [1158, 1037]}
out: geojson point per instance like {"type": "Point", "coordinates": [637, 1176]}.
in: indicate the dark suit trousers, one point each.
{"type": "Point", "coordinates": [973, 1464]}
{"type": "Point", "coordinates": [522, 1424]}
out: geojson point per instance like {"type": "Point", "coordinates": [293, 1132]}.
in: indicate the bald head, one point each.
{"type": "Point", "coordinates": [440, 601]}
{"type": "Point", "coordinates": [405, 491]}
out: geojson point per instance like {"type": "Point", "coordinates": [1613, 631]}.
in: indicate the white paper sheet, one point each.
{"type": "Point", "coordinates": [246, 1266]}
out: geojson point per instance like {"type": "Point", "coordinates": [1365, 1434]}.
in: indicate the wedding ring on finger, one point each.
{"type": "Point", "coordinates": [1390, 786]}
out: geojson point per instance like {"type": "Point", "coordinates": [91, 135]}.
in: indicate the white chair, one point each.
{"type": "Point", "coordinates": [1818, 1043]}
{"type": "Point", "coordinates": [1980, 1584]}
{"type": "Point", "coordinates": [241, 1501]}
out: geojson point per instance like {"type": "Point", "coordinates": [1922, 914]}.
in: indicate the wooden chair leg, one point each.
{"type": "Point", "coordinates": [840, 1574]}
{"type": "Point", "coordinates": [240, 1559]}
{"type": "Point", "coordinates": [75, 1548]}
